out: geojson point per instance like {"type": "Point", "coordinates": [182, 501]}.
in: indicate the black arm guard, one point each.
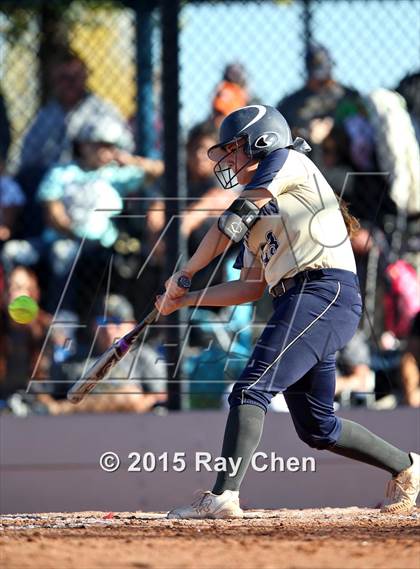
{"type": "Point", "coordinates": [238, 219]}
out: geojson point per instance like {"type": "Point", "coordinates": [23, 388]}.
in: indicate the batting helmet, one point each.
{"type": "Point", "coordinates": [264, 128]}
{"type": "Point", "coordinates": [259, 129]}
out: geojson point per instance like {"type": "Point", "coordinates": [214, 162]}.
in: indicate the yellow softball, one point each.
{"type": "Point", "coordinates": [23, 309]}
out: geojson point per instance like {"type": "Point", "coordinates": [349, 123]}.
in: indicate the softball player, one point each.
{"type": "Point", "coordinates": [294, 239]}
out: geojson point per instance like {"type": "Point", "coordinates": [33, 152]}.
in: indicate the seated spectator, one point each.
{"type": "Point", "coordinates": [409, 88]}
{"type": "Point", "coordinates": [208, 199]}
{"type": "Point", "coordinates": [369, 240]}
{"type": "Point", "coordinates": [311, 111]}
{"type": "Point", "coordinates": [12, 200]}
{"type": "Point", "coordinates": [5, 137]}
{"type": "Point", "coordinates": [71, 108]}
{"type": "Point", "coordinates": [21, 354]}
{"type": "Point", "coordinates": [59, 122]}
{"type": "Point", "coordinates": [99, 176]}
{"type": "Point", "coordinates": [136, 384]}
{"type": "Point", "coordinates": [410, 366]}
{"type": "Point", "coordinates": [231, 93]}
{"type": "Point", "coordinates": [398, 154]}
{"type": "Point", "coordinates": [355, 379]}
{"type": "Point", "coordinates": [202, 185]}
{"type": "Point", "coordinates": [11, 196]}
{"type": "Point", "coordinates": [340, 158]}
{"type": "Point", "coordinates": [81, 197]}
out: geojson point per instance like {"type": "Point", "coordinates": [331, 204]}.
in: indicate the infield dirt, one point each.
{"type": "Point", "coordinates": [324, 538]}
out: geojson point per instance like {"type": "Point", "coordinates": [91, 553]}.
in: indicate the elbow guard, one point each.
{"type": "Point", "coordinates": [240, 216]}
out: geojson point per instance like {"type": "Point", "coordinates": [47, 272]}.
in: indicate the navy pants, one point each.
{"type": "Point", "coordinates": [296, 353]}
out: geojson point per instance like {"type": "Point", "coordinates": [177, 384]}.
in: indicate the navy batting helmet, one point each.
{"type": "Point", "coordinates": [259, 130]}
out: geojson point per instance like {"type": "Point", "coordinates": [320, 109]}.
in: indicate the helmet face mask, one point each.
{"type": "Point", "coordinates": [263, 130]}
{"type": "Point", "coordinates": [224, 172]}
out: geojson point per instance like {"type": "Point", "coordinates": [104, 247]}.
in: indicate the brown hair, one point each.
{"type": "Point", "coordinates": [352, 223]}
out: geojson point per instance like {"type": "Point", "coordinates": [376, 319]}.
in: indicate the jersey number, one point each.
{"type": "Point", "coordinates": [270, 248]}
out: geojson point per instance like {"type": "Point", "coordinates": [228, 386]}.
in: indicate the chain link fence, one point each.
{"type": "Point", "coordinates": [102, 34]}
{"type": "Point", "coordinates": [373, 44]}
{"type": "Point", "coordinates": [232, 53]}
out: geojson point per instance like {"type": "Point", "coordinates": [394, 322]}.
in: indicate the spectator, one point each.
{"type": "Point", "coordinates": [11, 196]}
{"type": "Point", "coordinates": [312, 110]}
{"type": "Point", "coordinates": [21, 354]}
{"type": "Point", "coordinates": [367, 195]}
{"type": "Point", "coordinates": [231, 93]}
{"type": "Point", "coordinates": [12, 200]}
{"type": "Point", "coordinates": [354, 375]}
{"type": "Point", "coordinates": [49, 138]}
{"type": "Point", "coordinates": [73, 193]}
{"type": "Point", "coordinates": [409, 88]}
{"type": "Point", "coordinates": [398, 154]}
{"type": "Point", "coordinates": [72, 107]}
{"type": "Point", "coordinates": [5, 137]}
{"type": "Point", "coordinates": [410, 366]}
{"type": "Point", "coordinates": [208, 200]}
{"type": "Point", "coordinates": [136, 384]}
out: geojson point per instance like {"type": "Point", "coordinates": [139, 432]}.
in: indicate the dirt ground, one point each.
{"type": "Point", "coordinates": [324, 538]}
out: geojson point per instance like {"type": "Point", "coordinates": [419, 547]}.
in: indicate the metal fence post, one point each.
{"type": "Point", "coordinates": [174, 180]}
{"type": "Point", "coordinates": [145, 131]}
{"type": "Point", "coordinates": [307, 27]}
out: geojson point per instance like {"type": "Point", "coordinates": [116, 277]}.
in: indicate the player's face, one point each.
{"type": "Point", "coordinates": [240, 163]}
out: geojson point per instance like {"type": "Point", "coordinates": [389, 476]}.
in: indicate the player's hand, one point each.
{"type": "Point", "coordinates": [172, 287]}
{"type": "Point", "coordinates": [167, 305]}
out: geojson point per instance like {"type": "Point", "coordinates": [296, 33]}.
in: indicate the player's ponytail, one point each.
{"type": "Point", "coordinates": [352, 224]}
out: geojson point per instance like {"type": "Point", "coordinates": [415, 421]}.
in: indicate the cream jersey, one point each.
{"type": "Point", "coordinates": [302, 227]}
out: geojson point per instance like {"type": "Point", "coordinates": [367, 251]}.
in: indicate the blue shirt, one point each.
{"type": "Point", "coordinates": [90, 197]}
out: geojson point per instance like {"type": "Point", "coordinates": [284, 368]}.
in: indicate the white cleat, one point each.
{"type": "Point", "coordinates": [209, 505]}
{"type": "Point", "coordinates": [403, 489]}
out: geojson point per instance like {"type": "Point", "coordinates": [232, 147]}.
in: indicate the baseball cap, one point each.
{"type": "Point", "coordinates": [236, 73]}
{"type": "Point", "coordinates": [107, 131]}
{"type": "Point", "coordinates": [117, 309]}
{"type": "Point", "coordinates": [229, 97]}
{"type": "Point", "coordinates": [319, 62]}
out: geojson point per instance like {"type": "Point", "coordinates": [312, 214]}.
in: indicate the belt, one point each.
{"type": "Point", "coordinates": [286, 284]}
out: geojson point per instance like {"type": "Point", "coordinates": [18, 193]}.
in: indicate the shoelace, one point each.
{"type": "Point", "coordinates": [399, 488]}
{"type": "Point", "coordinates": [203, 503]}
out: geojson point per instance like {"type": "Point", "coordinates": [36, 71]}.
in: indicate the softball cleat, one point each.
{"type": "Point", "coordinates": [209, 505]}
{"type": "Point", "coordinates": [403, 489]}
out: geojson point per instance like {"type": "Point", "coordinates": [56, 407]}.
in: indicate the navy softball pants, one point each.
{"type": "Point", "coordinates": [296, 353]}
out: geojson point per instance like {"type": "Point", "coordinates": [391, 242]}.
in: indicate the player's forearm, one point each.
{"type": "Point", "coordinates": [213, 245]}
{"type": "Point", "coordinates": [225, 294]}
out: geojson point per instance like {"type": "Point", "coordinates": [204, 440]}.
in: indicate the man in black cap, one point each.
{"type": "Point", "coordinates": [311, 110]}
